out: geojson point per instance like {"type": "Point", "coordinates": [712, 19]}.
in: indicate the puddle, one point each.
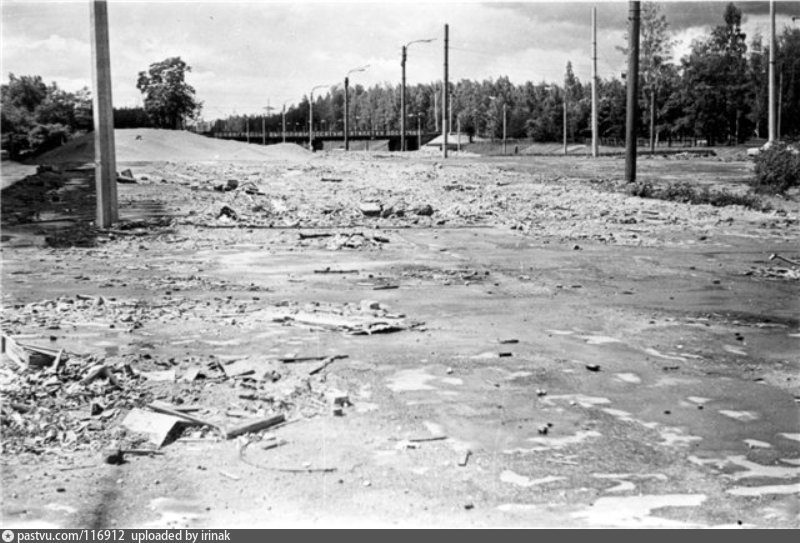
{"type": "Point", "coordinates": [600, 340]}
{"type": "Point", "coordinates": [517, 507]}
{"type": "Point", "coordinates": [744, 416]}
{"type": "Point", "coordinates": [628, 378]}
{"type": "Point", "coordinates": [577, 399]}
{"type": "Point", "coordinates": [764, 490]}
{"type": "Point", "coordinates": [550, 443]}
{"type": "Point", "coordinates": [756, 444]}
{"type": "Point", "coordinates": [409, 380]}
{"type": "Point", "coordinates": [173, 511]}
{"type": "Point", "coordinates": [510, 477]}
{"type": "Point", "coordinates": [734, 350]}
{"type": "Point", "coordinates": [637, 511]}
{"type": "Point", "coordinates": [654, 352]}
{"type": "Point", "coordinates": [754, 470]}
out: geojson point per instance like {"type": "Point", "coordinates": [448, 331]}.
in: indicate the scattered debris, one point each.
{"type": "Point", "coordinates": [593, 367]}
{"type": "Point", "coordinates": [157, 427]}
{"type": "Point", "coordinates": [254, 426]}
{"type": "Point", "coordinates": [464, 458]}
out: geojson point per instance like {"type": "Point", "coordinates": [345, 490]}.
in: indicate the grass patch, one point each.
{"type": "Point", "coordinates": [688, 194]}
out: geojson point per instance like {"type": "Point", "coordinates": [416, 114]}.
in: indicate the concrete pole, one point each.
{"type": "Point", "coordinates": [504, 129]}
{"type": "Point", "coordinates": [346, 113]}
{"type": "Point", "coordinates": [595, 142]}
{"type": "Point", "coordinates": [435, 109]}
{"type": "Point", "coordinates": [566, 90]}
{"type": "Point", "coordinates": [403, 101]}
{"type": "Point", "coordinates": [445, 87]}
{"type": "Point", "coordinates": [773, 46]}
{"type": "Point", "coordinates": [632, 116]}
{"type": "Point", "coordinates": [105, 167]}
{"type": "Point", "coordinates": [311, 122]}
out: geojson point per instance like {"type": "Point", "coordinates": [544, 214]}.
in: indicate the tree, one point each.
{"type": "Point", "coordinates": [169, 100]}
{"type": "Point", "coordinates": [35, 116]}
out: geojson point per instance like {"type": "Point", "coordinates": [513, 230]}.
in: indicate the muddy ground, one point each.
{"type": "Point", "coordinates": [511, 342]}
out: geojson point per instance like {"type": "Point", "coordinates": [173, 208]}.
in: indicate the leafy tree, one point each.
{"type": "Point", "coordinates": [35, 116]}
{"type": "Point", "coordinates": [168, 99]}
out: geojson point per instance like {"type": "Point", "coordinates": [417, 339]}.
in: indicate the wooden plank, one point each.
{"type": "Point", "coordinates": [254, 426]}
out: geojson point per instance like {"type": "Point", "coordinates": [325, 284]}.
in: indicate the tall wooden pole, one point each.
{"type": "Point", "coordinates": [595, 142]}
{"type": "Point", "coordinates": [445, 88]}
{"type": "Point", "coordinates": [105, 167]}
{"type": "Point", "coordinates": [311, 122]}
{"type": "Point", "coordinates": [566, 94]}
{"type": "Point", "coordinates": [773, 46]}
{"type": "Point", "coordinates": [263, 130]}
{"type": "Point", "coordinates": [632, 116]}
{"type": "Point", "coordinates": [346, 113]}
{"type": "Point", "coordinates": [283, 123]}
{"type": "Point", "coordinates": [435, 108]}
{"type": "Point", "coordinates": [403, 101]}
{"type": "Point", "coordinates": [458, 123]}
{"type": "Point", "coordinates": [504, 129]}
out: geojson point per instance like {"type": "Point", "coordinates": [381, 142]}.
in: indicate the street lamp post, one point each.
{"type": "Point", "coordinates": [346, 104]}
{"type": "Point", "coordinates": [403, 91]}
{"type": "Point", "coordinates": [311, 117]}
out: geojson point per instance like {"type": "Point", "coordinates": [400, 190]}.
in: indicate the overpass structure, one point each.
{"type": "Point", "coordinates": [413, 139]}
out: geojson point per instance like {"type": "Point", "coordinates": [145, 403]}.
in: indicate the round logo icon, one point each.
{"type": "Point", "coordinates": [8, 536]}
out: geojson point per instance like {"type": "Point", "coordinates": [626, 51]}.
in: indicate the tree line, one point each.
{"type": "Point", "coordinates": [716, 94]}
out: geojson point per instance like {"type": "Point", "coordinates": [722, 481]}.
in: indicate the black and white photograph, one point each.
{"type": "Point", "coordinates": [363, 264]}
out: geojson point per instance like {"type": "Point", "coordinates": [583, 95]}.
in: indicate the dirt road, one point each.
{"type": "Point", "coordinates": [536, 348]}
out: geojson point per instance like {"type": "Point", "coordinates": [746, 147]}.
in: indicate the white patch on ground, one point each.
{"type": "Point", "coordinates": [794, 335]}
{"type": "Point", "coordinates": [676, 436]}
{"type": "Point", "coordinates": [699, 400]}
{"type": "Point", "coordinates": [628, 378]}
{"type": "Point", "coordinates": [221, 342]}
{"type": "Point", "coordinates": [793, 437]}
{"type": "Point", "coordinates": [654, 352]}
{"type": "Point", "coordinates": [517, 507]}
{"type": "Point", "coordinates": [600, 340]}
{"type": "Point", "coordinates": [433, 428]}
{"type": "Point", "coordinates": [636, 511]}
{"type": "Point", "coordinates": [734, 350]}
{"type": "Point", "coordinates": [668, 381]}
{"type": "Point", "coordinates": [172, 511]}
{"type": "Point", "coordinates": [753, 470]}
{"type": "Point", "coordinates": [451, 380]}
{"type": "Point", "coordinates": [744, 416]}
{"type": "Point", "coordinates": [765, 490]}
{"type": "Point", "coordinates": [510, 477]}
{"type": "Point", "coordinates": [560, 332]}
{"type": "Point", "coordinates": [622, 486]}
{"type": "Point", "coordinates": [60, 507]}
{"type": "Point", "coordinates": [410, 380]}
{"type": "Point", "coordinates": [756, 444]}
{"type": "Point", "coordinates": [625, 416]}
{"type": "Point", "coordinates": [550, 443]}
{"type": "Point", "coordinates": [365, 407]}
{"type": "Point", "coordinates": [489, 355]}
{"type": "Point", "coordinates": [580, 399]}
{"type": "Point", "coordinates": [518, 375]}
{"type": "Point", "coordinates": [792, 461]}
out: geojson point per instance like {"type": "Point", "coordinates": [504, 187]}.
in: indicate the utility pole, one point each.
{"type": "Point", "coordinates": [419, 131]}
{"type": "Point", "coordinates": [346, 113]}
{"type": "Point", "coordinates": [435, 109]}
{"type": "Point", "coordinates": [595, 142]}
{"type": "Point", "coordinates": [445, 87]}
{"type": "Point", "coordinates": [263, 130]}
{"type": "Point", "coordinates": [633, 92]}
{"type": "Point", "coordinates": [403, 101]}
{"type": "Point", "coordinates": [458, 147]}
{"type": "Point", "coordinates": [504, 128]}
{"type": "Point", "coordinates": [450, 104]}
{"type": "Point", "coordinates": [247, 128]}
{"type": "Point", "coordinates": [566, 94]}
{"type": "Point", "coordinates": [105, 167]}
{"type": "Point", "coordinates": [283, 123]}
{"type": "Point", "coordinates": [773, 45]}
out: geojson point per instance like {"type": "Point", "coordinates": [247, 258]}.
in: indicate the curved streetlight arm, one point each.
{"type": "Point", "coordinates": [359, 69]}
{"type": "Point", "coordinates": [429, 40]}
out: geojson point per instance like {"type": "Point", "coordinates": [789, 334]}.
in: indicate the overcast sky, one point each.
{"type": "Point", "coordinates": [245, 55]}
